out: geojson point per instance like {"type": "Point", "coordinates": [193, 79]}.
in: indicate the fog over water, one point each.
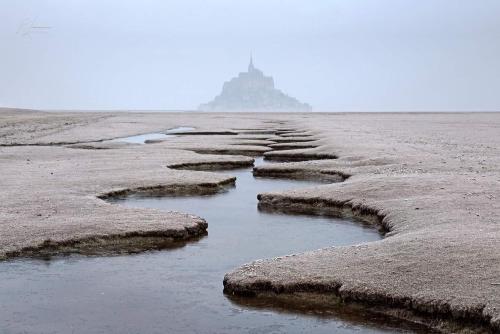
{"type": "Point", "coordinates": [348, 55]}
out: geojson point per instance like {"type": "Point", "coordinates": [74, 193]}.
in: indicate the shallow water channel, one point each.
{"type": "Point", "coordinates": [142, 138]}
{"type": "Point", "coordinates": [180, 290]}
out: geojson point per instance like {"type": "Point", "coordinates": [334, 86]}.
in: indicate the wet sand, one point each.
{"type": "Point", "coordinates": [430, 180]}
{"type": "Point", "coordinates": [143, 292]}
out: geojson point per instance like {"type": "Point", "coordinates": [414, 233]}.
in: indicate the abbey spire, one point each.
{"type": "Point", "coordinates": [250, 65]}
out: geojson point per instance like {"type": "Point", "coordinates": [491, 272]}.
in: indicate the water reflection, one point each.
{"type": "Point", "coordinates": [180, 290]}
{"type": "Point", "coordinates": [141, 139]}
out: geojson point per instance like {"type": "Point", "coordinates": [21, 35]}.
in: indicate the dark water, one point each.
{"type": "Point", "coordinates": [141, 139]}
{"type": "Point", "coordinates": [180, 290]}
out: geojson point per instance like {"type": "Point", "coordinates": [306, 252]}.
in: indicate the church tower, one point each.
{"type": "Point", "coordinates": [251, 68]}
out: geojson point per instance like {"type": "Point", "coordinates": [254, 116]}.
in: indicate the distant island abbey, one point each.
{"type": "Point", "coordinates": [253, 91]}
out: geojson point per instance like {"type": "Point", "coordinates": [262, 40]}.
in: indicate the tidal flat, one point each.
{"type": "Point", "coordinates": [424, 185]}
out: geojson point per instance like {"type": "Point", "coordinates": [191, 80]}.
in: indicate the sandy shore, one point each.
{"type": "Point", "coordinates": [430, 181]}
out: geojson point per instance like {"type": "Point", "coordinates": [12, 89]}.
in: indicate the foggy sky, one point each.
{"type": "Point", "coordinates": [344, 55]}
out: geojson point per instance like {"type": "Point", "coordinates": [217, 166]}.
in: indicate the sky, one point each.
{"type": "Point", "coordinates": [337, 55]}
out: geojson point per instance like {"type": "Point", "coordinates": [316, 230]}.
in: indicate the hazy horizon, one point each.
{"type": "Point", "coordinates": [383, 55]}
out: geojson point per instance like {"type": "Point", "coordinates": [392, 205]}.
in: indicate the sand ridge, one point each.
{"type": "Point", "coordinates": [431, 180]}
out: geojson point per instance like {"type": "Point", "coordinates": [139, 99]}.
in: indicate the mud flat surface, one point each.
{"type": "Point", "coordinates": [430, 181]}
{"type": "Point", "coordinates": [179, 290]}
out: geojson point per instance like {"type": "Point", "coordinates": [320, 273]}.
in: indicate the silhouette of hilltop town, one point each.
{"type": "Point", "coordinates": [253, 91]}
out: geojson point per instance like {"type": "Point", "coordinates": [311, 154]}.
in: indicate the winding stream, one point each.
{"type": "Point", "coordinates": [180, 290]}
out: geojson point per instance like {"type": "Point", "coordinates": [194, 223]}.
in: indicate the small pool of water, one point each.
{"type": "Point", "coordinates": [180, 290]}
{"type": "Point", "coordinates": [141, 139]}
{"type": "Point", "coordinates": [180, 129]}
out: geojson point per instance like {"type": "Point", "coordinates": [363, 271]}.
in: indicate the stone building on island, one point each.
{"type": "Point", "coordinates": [253, 91]}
